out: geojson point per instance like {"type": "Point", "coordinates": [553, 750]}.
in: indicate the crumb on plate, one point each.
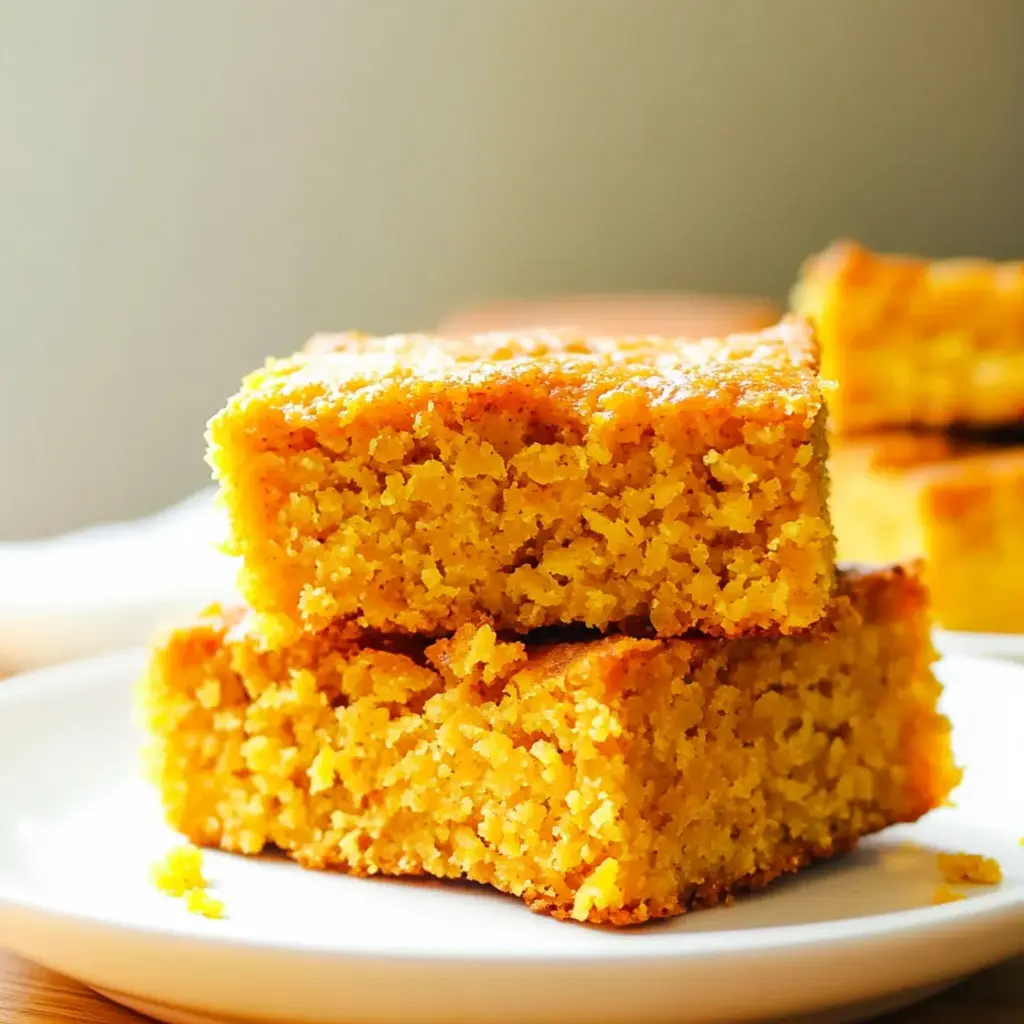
{"type": "Point", "coordinates": [180, 874]}
{"type": "Point", "coordinates": [180, 870]}
{"type": "Point", "coordinates": [944, 894]}
{"type": "Point", "coordinates": [199, 901]}
{"type": "Point", "coordinates": [970, 868]}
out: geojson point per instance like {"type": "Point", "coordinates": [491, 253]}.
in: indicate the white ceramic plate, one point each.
{"type": "Point", "coordinates": [838, 943]}
{"type": "Point", "coordinates": [111, 586]}
{"type": "Point", "coordinates": [1007, 646]}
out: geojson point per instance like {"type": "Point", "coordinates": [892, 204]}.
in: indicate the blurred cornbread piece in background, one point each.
{"type": "Point", "coordinates": [678, 314]}
{"type": "Point", "coordinates": [415, 484]}
{"type": "Point", "coordinates": [608, 780]}
{"type": "Point", "coordinates": [957, 503]}
{"type": "Point", "coordinates": [916, 342]}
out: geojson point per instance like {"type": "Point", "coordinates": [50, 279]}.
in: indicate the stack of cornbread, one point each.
{"type": "Point", "coordinates": [556, 614]}
{"type": "Point", "coordinates": [928, 446]}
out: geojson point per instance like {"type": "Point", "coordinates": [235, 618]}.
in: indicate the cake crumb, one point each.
{"type": "Point", "coordinates": [944, 894]}
{"type": "Point", "coordinates": [199, 901]}
{"type": "Point", "coordinates": [180, 874]}
{"type": "Point", "coordinates": [180, 870]}
{"type": "Point", "coordinates": [970, 868]}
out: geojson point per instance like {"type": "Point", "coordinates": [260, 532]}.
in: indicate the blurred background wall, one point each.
{"type": "Point", "coordinates": [188, 186]}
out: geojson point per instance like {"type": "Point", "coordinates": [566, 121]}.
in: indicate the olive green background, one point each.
{"type": "Point", "coordinates": [189, 185]}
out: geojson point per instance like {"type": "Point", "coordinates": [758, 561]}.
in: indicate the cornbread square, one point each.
{"type": "Point", "coordinates": [608, 780]}
{"type": "Point", "coordinates": [415, 485]}
{"type": "Point", "coordinates": [916, 342]}
{"type": "Point", "coordinates": [957, 503]}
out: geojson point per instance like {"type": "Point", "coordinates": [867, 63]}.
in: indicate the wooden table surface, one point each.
{"type": "Point", "coordinates": [32, 995]}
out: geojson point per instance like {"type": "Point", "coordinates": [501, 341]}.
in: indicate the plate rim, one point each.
{"type": "Point", "coordinates": [987, 646]}
{"type": "Point", "coordinates": [772, 940]}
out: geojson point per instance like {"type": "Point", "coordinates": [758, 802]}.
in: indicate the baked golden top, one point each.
{"type": "Point", "coordinates": [849, 262]}
{"type": "Point", "coordinates": [390, 378]}
{"type": "Point", "coordinates": [789, 343]}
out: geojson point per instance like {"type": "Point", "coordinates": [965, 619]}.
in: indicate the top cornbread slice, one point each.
{"type": "Point", "coordinates": [415, 484]}
{"type": "Point", "coordinates": [913, 342]}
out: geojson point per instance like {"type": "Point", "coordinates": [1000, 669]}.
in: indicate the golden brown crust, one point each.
{"type": "Point", "coordinates": [701, 896]}
{"type": "Point", "coordinates": [851, 263]}
{"type": "Point", "coordinates": [563, 381]}
{"type": "Point", "coordinates": [895, 591]}
{"type": "Point", "coordinates": [790, 343]}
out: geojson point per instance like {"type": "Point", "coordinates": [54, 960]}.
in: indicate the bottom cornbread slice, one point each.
{"type": "Point", "coordinates": [607, 780]}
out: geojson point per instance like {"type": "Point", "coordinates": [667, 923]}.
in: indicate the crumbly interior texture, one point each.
{"type": "Point", "coordinates": [415, 485]}
{"type": "Point", "coordinates": [959, 505]}
{"type": "Point", "coordinates": [613, 780]}
{"type": "Point", "coordinates": [914, 342]}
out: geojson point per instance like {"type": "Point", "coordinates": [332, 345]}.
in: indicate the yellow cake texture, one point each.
{"type": "Point", "coordinates": [413, 485]}
{"type": "Point", "coordinates": [959, 504]}
{"type": "Point", "coordinates": [916, 342]}
{"type": "Point", "coordinates": [611, 780]}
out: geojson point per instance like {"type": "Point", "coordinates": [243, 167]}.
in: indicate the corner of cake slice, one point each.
{"type": "Point", "coordinates": [613, 780]}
